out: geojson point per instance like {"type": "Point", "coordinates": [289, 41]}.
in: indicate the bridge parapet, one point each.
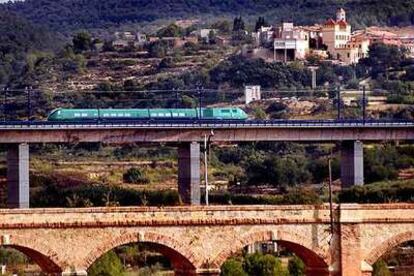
{"type": "Point", "coordinates": [205, 215]}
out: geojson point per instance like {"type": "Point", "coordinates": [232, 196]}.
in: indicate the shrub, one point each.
{"type": "Point", "coordinates": [379, 193]}
{"type": "Point", "coordinates": [232, 267]}
{"type": "Point", "coordinates": [380, 268]}
{"type": "Point", "coordinates": [108, 265]}
{"type": "Point", "coordinates": [296, 267]}
{"type": "Point", "coordinates": [135, 176]}
{"type": "Point", "coordinates": [264, 265]}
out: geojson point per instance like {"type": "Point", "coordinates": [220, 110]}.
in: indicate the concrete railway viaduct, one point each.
{"type": "Point", "coordinates": [197, 239]}
{"type": "Point", "coordinates": [187, 137]}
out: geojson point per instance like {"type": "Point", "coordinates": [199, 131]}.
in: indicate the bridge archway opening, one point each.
{"type": "Point", "coordinates": [143, 258]}
{"type": "Point", "coordinates": [20, 259]}
{"type": "Point", "coordinates": [291, 254]}
{"type": "Point", "coordinates": [395, 255]}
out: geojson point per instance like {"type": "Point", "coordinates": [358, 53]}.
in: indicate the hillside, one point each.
{"type": "Point", "coordinates": [66, 15]}
{"type": "Point", "coordinates": [18, 38]}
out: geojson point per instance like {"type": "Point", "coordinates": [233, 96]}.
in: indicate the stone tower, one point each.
{"type": "Point", "coordinates": [340, 15]}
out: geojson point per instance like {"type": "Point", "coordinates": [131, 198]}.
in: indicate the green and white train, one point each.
{"type": "Point", "coordinates": [226, 113]}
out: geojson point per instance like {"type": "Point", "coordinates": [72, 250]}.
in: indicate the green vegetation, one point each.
{"type": "Point", "coordinates": [70, 15]}
{"type": "Point", "coordinates": [262, 265]}
{"type": "Point", "coordinates": [107, 265]}
{"type": "Point", "coordinates": [384, 162]}
{"type": "Point", "coordinates": [171, 30]}
{"type": "Point", "coordinates": [296, 196]}
{"type": "Point", "coordinates": [51, 195]}
{"type": "Point", "coordinates": [275, 164]}
{"type": "Point", "coordinates": [23, 47]}
{"type": "Point", "coordinates": [381, 269]}
{"type": "Point", "coordinates": [382, 192]}
{"type": "Point", "coordinates": [296, 267]}
{"type": "Point", "coordinates": [233, 267]}
{"type": "Point", "coordinates": [135, 176]}
{"type": "Point", "coordinates": [238, 71]}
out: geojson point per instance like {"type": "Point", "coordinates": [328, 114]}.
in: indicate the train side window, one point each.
{"type": "Point", "coordinates": [181, 114]}
{"type": "Point", "coordinates": [225, 111]}
{"type": "Point", "coordinates": [175, 114]}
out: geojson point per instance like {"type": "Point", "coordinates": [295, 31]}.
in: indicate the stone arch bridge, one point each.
{"type": "Point", "coordinates": [198, 240]}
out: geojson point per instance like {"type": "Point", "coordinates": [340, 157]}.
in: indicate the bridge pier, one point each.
{"type": "Point", "coordinates": [352, 163]}
{"type": "Point", "coordinates": [189, 173]}
{"type": "Point", "coordinates": [18, 176]}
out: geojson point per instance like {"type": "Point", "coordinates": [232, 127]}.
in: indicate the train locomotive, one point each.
{"type": "Point", "coordinates": [160, 114]}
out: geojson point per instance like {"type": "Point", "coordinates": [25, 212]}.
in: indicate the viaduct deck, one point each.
{"type": "Point", "coordinates": [134, 132]}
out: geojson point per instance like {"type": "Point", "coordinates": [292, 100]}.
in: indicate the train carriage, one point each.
{"type": "Point", "coordinates": [227, 113]}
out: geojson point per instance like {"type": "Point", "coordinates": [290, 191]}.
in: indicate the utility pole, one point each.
{"type": "Point", "coordinates": [29, 102]}
{"type": "Point", "coordinates": [200, 115]}
{"type": "Point", "coordinates": [339, 102]}
{"type": "Point", "coordinates": [176, 97]}
{"type": "Point", "coordinates": [364, 102]}
{"type": "Point", "coordinates": [330, 195]}
{"type": "Point", "coordinates": [4, 103]}
{"type": "Point", "coordinates": [207, 141]}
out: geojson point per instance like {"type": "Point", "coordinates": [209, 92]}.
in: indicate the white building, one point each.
{"type": "Point", "coordinates": [264, 36]}
{"type": "Point", "coordinates": [290, 43]}
{"type": "Point", "coordinates": [252, 93]}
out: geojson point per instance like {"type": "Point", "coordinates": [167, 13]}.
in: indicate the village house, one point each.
{"type": "Point", "coordinates": [175, 42]}
{"type": "Point", "coordinates": [128, 39]}
{"type": "Point", "coordinates": [290, 43]}
{"type": "Point", "coordinates": [341, 43]}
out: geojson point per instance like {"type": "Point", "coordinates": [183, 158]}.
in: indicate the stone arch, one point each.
{"type": "Point", "coordinates": [39, 252]}
{"type": "Point", "coordinates": [181, 256]}
{"type": "Point", "coordinates": [293, 242]}
{"type": "Point", "coordinates": [388, 245]}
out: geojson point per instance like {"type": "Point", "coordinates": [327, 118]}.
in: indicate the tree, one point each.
{"type": "Point", "coordinates": [212, 37]}
{"type": "Point", "coordinates": [82, 42]}
{"type": "Point", "coordinates": [259, 113]}
{"type": "Point", "coordinates": [108, 265]}
{"type": "Point", "coordinates": [383, 57]}
{"type": "Point", "coordinates": [222, 26]}
{"type": "Point", "coordinates": [171, 30]}
{"type": "Point", "coordinates": [296, 267]}
{"type": "Point", "coordinates": [135, 176]}
{"type": "Point", "coordinates": [261, 22]}
{"type": "Point", "coordinates": [158, 49]}
{"type": "Point", "coordinates": [264, 265]}
{"type": "Point", "coordinates": [232, 267]}
{"type": "Point", "coordinates": [238, 24]}
{"type": "Point", "coordinates": [380, 268]}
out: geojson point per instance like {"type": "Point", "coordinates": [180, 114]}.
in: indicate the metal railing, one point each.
{"type": "Point", "coordinates": [196, 124]}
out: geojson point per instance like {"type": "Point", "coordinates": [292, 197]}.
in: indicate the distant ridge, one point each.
{"type": "Point", "coordinates": [77, 14]}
